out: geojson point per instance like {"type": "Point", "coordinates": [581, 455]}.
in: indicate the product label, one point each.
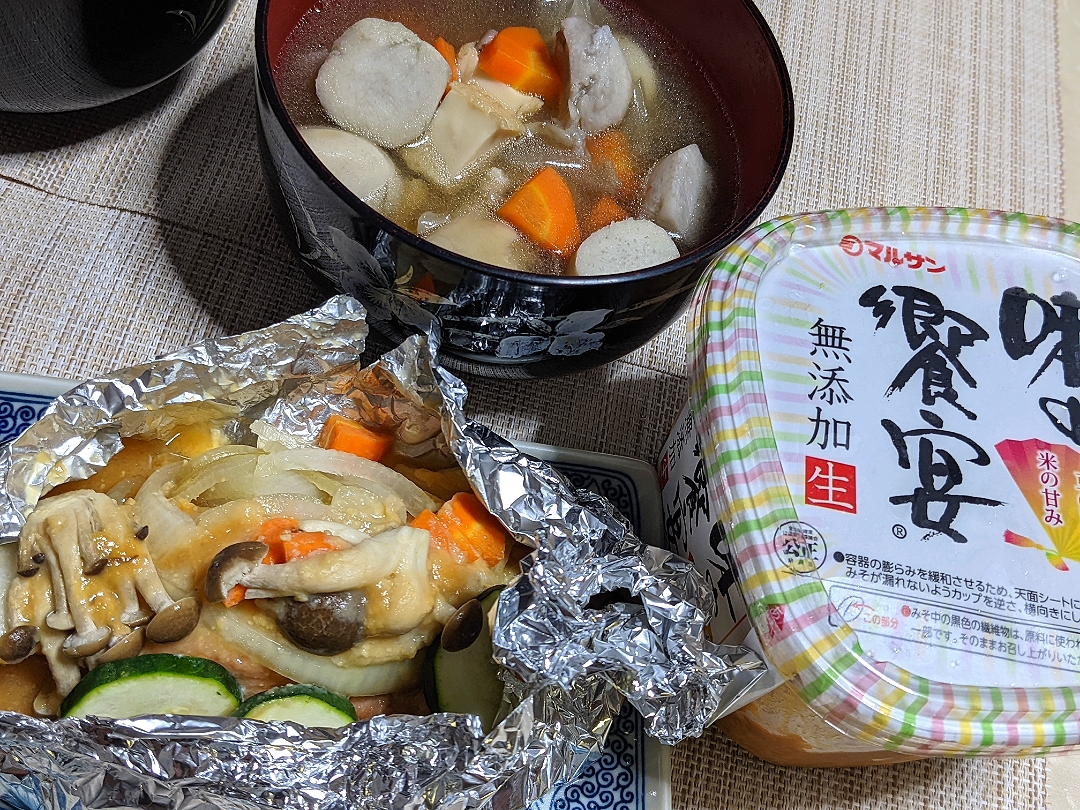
{"type": "Point", "coordinates": [924, 398]}
{"type": "Point", "coordinates": [693, 529]}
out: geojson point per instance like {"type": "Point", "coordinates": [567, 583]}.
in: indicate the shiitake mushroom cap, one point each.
{"type": "Point", "coordinates": [229, 566]}
{"type": "Point", "coordinates": [324, 623]}
{"type": "Point", "coordinates": [464, 627]}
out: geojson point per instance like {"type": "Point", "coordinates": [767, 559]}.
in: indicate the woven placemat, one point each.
{"type": "Point", "coordinates": [144, 226]}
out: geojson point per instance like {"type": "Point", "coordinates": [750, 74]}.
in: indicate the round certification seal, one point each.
{"type": "Point", "coordinates": [800, 547]}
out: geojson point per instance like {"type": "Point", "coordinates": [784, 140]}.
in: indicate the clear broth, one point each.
{"type": "Point", "coordinates": [686, 109]}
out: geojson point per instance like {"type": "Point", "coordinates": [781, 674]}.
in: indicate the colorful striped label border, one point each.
{"type": "Point", "coordinates": [803, 635]}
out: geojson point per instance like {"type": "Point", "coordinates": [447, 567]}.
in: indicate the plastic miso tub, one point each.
{"type": "Point", "coordinates": [889, 409]}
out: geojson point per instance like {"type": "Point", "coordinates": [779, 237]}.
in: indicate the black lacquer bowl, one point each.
{"type": "Point", "coordinates": [503, 323]}
{"type": "Point", "coordinates": [62, 55]}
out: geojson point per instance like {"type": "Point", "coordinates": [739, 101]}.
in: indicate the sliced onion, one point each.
{"type": "Point", "coordinates": [328, 483]}
{"type": "Point", "coordinates": [195, 466]}
{"type": "Point", "coordinates": [296, 506]}
{"type": "Point", "coordinates": [353, 468]}
{"type": "Point", "coordinates": [123, 490]}
{"type": "Point", "coordinates": [364, 505]}
{"type": "Point", "coordinates": [274, 651]}
{"type": "Point", "coordinates": [362, 510]}
{"type": "Point", "coordinates": [257, 486]}
{"type": "Point", "coordinates": [270, 438]}
{"type": "Point", "coordinates": [167, 524]}
{"type": "Point", "coordinates": [236, 469]}
{"type": "Point", "coordinates": [338, 530]}
{"type": "Point", "coordinates": [9, 565]}
{"type": "Point", "coordinates": [160, 479]}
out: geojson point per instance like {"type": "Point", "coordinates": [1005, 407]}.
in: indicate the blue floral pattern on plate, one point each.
{"type": "Point", "coordinates": [630, 772]}
{"type": "Point", "coordinates": [615, 779]}
{"type": "Point", "coordinates": [18, 411]}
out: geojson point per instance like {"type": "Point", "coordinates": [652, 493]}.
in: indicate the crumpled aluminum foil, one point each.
{"type": "Point", "coordinates": [596, 617]}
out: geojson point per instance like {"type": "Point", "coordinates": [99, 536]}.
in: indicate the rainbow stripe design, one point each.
{"type": "Point", "coordinates": [804, 636]}
{"type": "Point", "coordinates": [1047, 474]}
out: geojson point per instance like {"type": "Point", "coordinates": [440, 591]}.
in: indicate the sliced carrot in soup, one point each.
{"type": "Point", "coordinates": [543, 210]}
{"type": "Point", "coordinates": [518, 57]}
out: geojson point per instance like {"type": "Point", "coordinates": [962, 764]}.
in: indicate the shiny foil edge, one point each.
{"type": "Point", "coordinates": [571, 665]}
{"type": "Point", "coordinates": [81, 430]}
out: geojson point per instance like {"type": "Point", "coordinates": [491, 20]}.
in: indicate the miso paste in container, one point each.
{"type": "Point", "coordinates": [889, 402]}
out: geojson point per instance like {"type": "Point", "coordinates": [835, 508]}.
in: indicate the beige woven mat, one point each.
{"type": "Point", "coordinates": [140, 228]}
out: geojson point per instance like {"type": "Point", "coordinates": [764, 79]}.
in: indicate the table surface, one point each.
{"type": "Point", "coordinates": [142, 227]}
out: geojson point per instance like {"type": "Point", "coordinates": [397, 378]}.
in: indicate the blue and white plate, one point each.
{"type": "Point", "coordinates": [633, 772]}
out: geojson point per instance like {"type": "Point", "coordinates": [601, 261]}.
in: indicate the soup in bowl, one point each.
{"type": "Point", "coordinates": [548, 181]}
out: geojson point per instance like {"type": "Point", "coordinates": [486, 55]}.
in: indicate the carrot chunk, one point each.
{"type": "Point", "coordinates": [437, 528]}
{"type": "Point", "coordinates": [235, 596]}
{"type": "Point", "coordinates": [448, 53]}
{"type": "Point", "coordinates": [465, 525]}
{"type": "Point", "coordinates": [612, 146]}
{"type": "Point", "coordinates": [303, 544]}
{"type": "Point", "coordinates": [603, 214]}
{"type": "Point", "coordinates": [276, 526]}
{"type": "Point", "coordinates": [349, 436]}
{"type": "Point", "coordinates": [543, 210]}
{"type": "Point", "coordinates": [271, 533]}
{"type": "Point", "coordinates": [478, 528]}
{"type": "Point", "coordinates": [518, 57]}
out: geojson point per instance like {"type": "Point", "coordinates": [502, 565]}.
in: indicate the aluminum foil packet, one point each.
{"type": "Point", "coordinates": [596, 617]}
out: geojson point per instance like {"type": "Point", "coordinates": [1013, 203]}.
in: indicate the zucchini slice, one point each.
{"type": "Point", "coordinates": [466, 681]}
{"type": "Point", "coordinates": [302, 703]}
{"type": "Point", "coordinates": [154, 684]}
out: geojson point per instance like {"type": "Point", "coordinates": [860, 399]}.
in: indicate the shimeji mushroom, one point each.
{"type": "Point", "coordinates": [76, 536]}
{"type": "Point", "coordinates": [394, 562]}
{"type": "Point", "coordinates": [28, 605]}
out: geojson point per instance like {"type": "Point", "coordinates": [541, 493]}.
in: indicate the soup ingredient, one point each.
{"type": "Point", "coordinates": [464, 525]}
{"type": "Point", "coordinates": [464, 678]}
{"type": "Point", "coordinates": [642, 69]}
{"type": "Point", "coordinates": [631, 244]}
{"type": "Point", "coordinates": [518, 106]}
{"type": "Point", "coordinates": [448, 53]}
{"type": "Point", "coordinates": [468, 61]}
{"type": "Point", "coordinates": [611, 150]}
{"type": "Point", "coordinates": [603, 213]}
{"type": "Point", "coordinates": [517, 56]}
{"type": "Point", "coordinates": [568, 112]}
{"type": "Point", "coordinates": [474, 121]}
{"type": "Point", "coordinates": [480, 237]}
{"type": "Point", "coordinates": [154, 684]}
{"type": "Point", "coordinates": [465, 133]}
{"type": "Point", "coordinates": [349, 436]}
{"type": "Point", "coordinates": [360, 165]}
{"type": "Point", "coordinates": [543, 210]}
{"type": "Point", "coordinates": [382, 81]}
{"type": "Point", "coordinates": [598, 87]}
{"type": "Point", "coordinates": [678, 192]}
{"type": "Point", "coordinates": [302, 703]}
